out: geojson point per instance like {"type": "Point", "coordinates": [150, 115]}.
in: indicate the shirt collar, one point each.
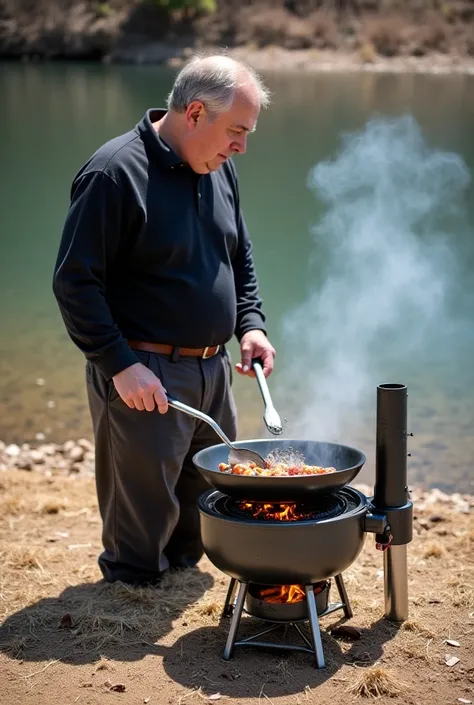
{"type": "Point", "coordinates": [162, 152]}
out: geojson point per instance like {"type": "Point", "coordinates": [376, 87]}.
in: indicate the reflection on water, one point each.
{"type": "Point", "coordinates": [54, 116]}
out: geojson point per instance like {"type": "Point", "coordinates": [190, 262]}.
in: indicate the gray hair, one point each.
{"type": "Point", "coordinates": [213, 80]}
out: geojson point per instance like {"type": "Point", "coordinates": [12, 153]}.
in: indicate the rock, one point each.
{"type": "Point", "coordinates": [451, 660]}
{"type": "Point", "coordinates": [346, 631]}
{"type": "Point", "coordinates": [2, 446]}
{"type": "Point", "coordinates": [436, 518]}
{"type": "Point", "coordinates": [118, 688]}
{"type": "Point", "coordinates": [424, 524]}
{"type": "Point", "coordinates": [40, 436]}
{"type": "Point", "coordinates": [66, 621]}
{"type": "Point", "coordinates": [48, 449]}
{"type": "Point", "coordinates": [437, 495]}
{"type": "Point", "coordinates": [51, 404]}
{"type": "Point", "coordinates": [75, 467]}
{"type": "Point", "coordinates": [40, 382]}
{"type": "Point", "coordinates": [84, 443]}
{"type": "Point", "coordinates": [37, 456]}
{"type": "Point", "coordinates": [24, 462]}
{"type": "Point", "coordinates": [76, 454]}
{"type": "Point", "coordinates": [68, 446]}
{"type": "Point", "coordinates": [12, 450]}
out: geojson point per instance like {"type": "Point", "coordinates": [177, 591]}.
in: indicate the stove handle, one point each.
{"type": "Point", "coordinates": [376, 523]}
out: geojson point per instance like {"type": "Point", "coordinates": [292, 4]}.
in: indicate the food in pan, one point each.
{"type": "Point", "coordinates": [274, 470]}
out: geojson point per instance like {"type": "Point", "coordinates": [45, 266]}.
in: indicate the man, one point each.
{"type": "Point", "coordinates": [154, 276]}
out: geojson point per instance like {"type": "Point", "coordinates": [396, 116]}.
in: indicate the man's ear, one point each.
{"type": "Point", "coordinates": [194, 113]}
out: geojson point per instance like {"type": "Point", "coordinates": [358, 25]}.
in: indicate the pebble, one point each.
{"type": "Point", "coordinates": [24, 463]}
{"type": "Point", "coordinates": [76, 454]}
{"type": "Point", "coordinates": [37, 456]}
{"type": "Point", "coordinates": [74, 457]}
{"type": "Point", "coordinates": [68, 446]}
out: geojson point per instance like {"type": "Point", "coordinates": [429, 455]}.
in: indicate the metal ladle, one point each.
{"type": "Point", "coordinates": [270, 415]}
{"type": "Point", "coordinates": [236, 455]}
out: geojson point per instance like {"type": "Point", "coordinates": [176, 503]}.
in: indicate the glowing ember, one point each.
{"type": "Point", "coordinates": [278, 511]}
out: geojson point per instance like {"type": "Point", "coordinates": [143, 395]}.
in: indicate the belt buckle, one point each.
{"type": "Point", "coordinates": [205, 355]}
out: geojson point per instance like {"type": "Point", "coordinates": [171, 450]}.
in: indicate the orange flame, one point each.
{"type": "Point", "coordinates": [281, 512]}
{"type": "Point", "coordinates": [283, 594]}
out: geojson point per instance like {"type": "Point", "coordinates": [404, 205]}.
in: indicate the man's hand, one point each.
{"type": "Point", "coordinates": [141, 389]}
{"type": "Point", "coordinates": [255, 344]}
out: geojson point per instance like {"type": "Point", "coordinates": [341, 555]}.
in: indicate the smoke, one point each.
{"type": "Point", "coordinates": [390, 203]}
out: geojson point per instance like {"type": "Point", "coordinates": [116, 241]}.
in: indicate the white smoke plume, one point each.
{"type": "Point", "coordinates": [389, 203]}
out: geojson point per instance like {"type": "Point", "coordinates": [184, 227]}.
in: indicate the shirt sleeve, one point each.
{"type": "Point", "coordinates": [89, 243]}
{"type": "Point", "coordinates": [249, 304]}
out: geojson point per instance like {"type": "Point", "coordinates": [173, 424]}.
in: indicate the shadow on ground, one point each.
{"type": "Point", "coordinates": [89, 621]}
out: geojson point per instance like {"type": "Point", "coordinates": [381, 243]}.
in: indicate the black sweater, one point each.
{"type": "Point", "coordinates": [153, 251]}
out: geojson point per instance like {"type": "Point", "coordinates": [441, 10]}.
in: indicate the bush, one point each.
{"type": "Point", "coordinates": [190, 7]}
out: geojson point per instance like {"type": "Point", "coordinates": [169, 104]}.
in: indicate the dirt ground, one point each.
{"type": "Point", "coordinates": [69, 638]}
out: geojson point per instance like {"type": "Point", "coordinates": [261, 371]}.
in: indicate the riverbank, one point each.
{"type": "Point", "coordinates": [271, 36]}
{"type": "Point", "coordinates": [68, 637]}
{"type": "Point", "coordinates": [280, 60]}
{"type": "Point", "coordinates": [77, 458]}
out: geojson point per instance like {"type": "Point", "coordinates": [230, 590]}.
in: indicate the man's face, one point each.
{"type": "Point", "coordinates": [210, 142]}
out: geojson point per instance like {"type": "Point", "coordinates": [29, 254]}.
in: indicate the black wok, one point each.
{"type": "Point", "coordinates": [298, 488]}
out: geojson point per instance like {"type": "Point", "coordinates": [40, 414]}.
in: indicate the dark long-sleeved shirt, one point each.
{"type": "Point", "coordinates": [153, 251]}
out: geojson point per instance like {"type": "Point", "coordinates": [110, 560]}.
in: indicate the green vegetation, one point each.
{"type": "Point", "coordinates": [191, 7]}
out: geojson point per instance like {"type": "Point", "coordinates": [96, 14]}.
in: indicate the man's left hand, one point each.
{"type": "Point", "coordinates": [255, 344]}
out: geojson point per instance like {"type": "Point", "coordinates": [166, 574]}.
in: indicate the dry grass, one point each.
{"type": "Point", "coordinates": [412, 625]}
{"type": "Point", "coordinates": [465, 542]}
{"type": "Point", "coordinates": [106, 614]}
{"type": "Point", "coordinates": [56, 607]}
{"type": "Point", "coordinates": [414, 649]}
{"type": "Point", "coordinates": [463, 596]}
{"type": "Point", "coordinates": [434, 549]}
{"type": "Point", "coordinates": [207, 609]}
{"type": "Point", "coordinates": [375, 681]}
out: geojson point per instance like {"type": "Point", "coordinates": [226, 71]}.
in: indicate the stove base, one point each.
{"type": "Point", "coordinates": [235, 606]}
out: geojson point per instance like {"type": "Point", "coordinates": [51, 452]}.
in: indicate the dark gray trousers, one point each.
{"type": "Point", "coordinates": [147, 485]}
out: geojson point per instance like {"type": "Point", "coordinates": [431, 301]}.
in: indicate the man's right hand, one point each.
{"type": "Point", "coordinates": [141, 389]}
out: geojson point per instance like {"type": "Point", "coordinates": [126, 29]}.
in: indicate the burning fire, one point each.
{"type": "Point", "coordinates": [283, 594]}
{"type": "Point", "coordinates": [280, 512]}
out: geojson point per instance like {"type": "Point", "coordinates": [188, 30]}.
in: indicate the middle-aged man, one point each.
{"type": "Point", "coordinates": [154, 276]}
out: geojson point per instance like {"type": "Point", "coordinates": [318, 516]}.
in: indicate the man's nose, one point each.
{"type": "Point", "coordinates": [239, 145]}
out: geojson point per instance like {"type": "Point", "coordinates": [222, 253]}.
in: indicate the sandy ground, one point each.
{"type": "Point", "coordinates": [68, 638]}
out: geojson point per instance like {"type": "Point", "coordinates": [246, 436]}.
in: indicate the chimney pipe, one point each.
{"type": "Point", "coordinates": [391, 495]}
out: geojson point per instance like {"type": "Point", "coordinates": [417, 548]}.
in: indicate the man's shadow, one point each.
{"type": "Point", "coordinates": [195, 660]}
{"type": "Point", "coordinates": [91, 620]}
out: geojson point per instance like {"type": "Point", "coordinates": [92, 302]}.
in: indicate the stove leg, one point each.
{"type": "Point", "coordinates": [234, 625]}
{"type": "Point", "coordinates": [343, 595]}
{"type": "Point", "coordinates": [228, 604]}
{"type": "Point", "coordinates": [314, 623]}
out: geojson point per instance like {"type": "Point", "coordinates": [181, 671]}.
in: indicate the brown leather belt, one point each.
{"type": "Point", "coordinates": [171, 349]}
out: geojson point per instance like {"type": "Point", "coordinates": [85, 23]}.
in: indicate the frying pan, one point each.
{"type": "Point", "coordinates": [297, 488]}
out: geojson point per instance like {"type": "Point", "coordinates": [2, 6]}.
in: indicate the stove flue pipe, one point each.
{"type": "Point", "coordinates": [391, 496]}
